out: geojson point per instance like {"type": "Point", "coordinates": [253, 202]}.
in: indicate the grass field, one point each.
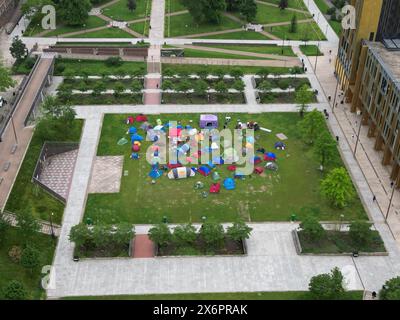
{"type": "Point", "coordinates": [119, 11]}
{"type": "Point", "coordinates": [284, 295]}
{"type": "Point", "coordinates": [311, 50]}
{"type": "Point", "coordinates": [13, 271]}
{"type": "Point", "coordinates": [238, 35]}
{"type": "Point", "coordinates": [105, 33]}
{"type": "Point", "coordinates": [194, 53]}
{"type": "Point", "coordinates": [265, 49]}
{"type": "Point", "coordinates": [305, 31]}
{"type": "Point", "coordinates": [257, 198]}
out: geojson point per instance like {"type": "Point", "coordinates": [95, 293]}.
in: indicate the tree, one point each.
{"type": "Point", "coordinates": [18, 50]}
{"type": "Point", "coordinates": [311, 126]}
{"type": "Point", "coordinates": [338, 188]}
{"type": "Point", "coordinates": [203, 74]}
{"type": "Point", "coordinates": [236, 73]}
{"type": "Point", "coordinates": [136, 85]}
{"type": "Point", "coordinates": [30, 258]}
{"type": "Point", "coordinates": [206, 10]}
{"type": "Point", "coordinates": [98, 89]}
{"type": "Point", "coordinates": [221, 87]}
{"type": "Point", "coordinates": [238, 85]}
{"type": "Point", "coordinates": [119, 88]}
{"type": "Point", "coordinates": [167, 85]}
{"type": "Point", "coordinates": [283, 4]}
{"type": "Point", "coordinates": [131, 5]}
{"type": "Point", "coordinates": [233, 5]}
{"type": "Point", "coordinates": [54, 110]}
{"type": "Point", "coordinates": [185, 235]}
{"type": "Point", "coordinates": [213, 234]}
{"type": "Point", "coordinates": [184, 86]}
{"type": "Point", "coordinates": [74, 12]}
{"type": "Point", "coordinates": [390, 290]}
{"type": "Point", "coordinates": [15, 290]}
{"type": "Point", "coordinates": [200, 87]}
{"type": "Point", "coordinates": [361, 234]}
{"type": "Point", "coordinates": [239, 231]}
{"type": "Point", "coordinates": [28, 225]}
{"type": "Point", "coordinates": [32, 7]}
{"type": "Point", "coordinates": [81, 235]}
{"type": "Point", "coordinates": [312, 229]}
{"type": "Point", "coordinates": [293, 24]}
{"type": "Point", "coordinates": [6, 80]}
{"type": "Point", "coordinates": [248, 9]}
{"type": "Point", "coordinates": [325, 147]}
{"type": "Point", "coordinates": [161, 235]}
{"type": "Point", "coordinates": [327, 286]}
{"type": "Point", "coordinates": [265, 85]}
{"type": "Point", "coordinates": [303, 97]}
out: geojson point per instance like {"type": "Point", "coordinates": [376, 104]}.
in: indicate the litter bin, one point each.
{"type": "Point", "coordinates": [293, 217]}
{"type": "Point", "coordinates": [355, 254]}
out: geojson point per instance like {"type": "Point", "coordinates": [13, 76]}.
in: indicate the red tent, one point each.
{"type": "Point", "coordinates": [130, 120]}
{"type": "Point", "coordinates": [215, 188]}
{"type": "Point", "coordinates": [174, 165]}
{"type": "Point", "coordinates": [232, 168]}
{"type": "Point", "coordinates": [259, 170]}
{"type": "Point", "coordinates": [135, 148]}
{"type": "Point", "coordinates": [141, 118]}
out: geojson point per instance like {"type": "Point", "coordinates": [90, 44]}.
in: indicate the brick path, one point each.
{"type": "Point", "coordinates": [144, 247]}
{"type": "Point", "coordinates": [58, 171]}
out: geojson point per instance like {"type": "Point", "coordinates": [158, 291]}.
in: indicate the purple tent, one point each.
{"type": "Point", "coordinates": [208, 121]}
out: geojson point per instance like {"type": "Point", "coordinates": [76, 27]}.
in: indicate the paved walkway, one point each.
{"type": "Point", "coordinates": [23, 134]}
{"type": "Point", "coordinates": [144, 247]}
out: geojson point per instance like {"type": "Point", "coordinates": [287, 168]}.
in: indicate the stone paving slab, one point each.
{"type": "Point", "coordinates": [106, 175]}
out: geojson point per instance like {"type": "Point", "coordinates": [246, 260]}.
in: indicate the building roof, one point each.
{"type": "Point", "coordinates": [389, 59]}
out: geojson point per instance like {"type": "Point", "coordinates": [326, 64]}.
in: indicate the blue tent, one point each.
{"type": "Point", "coordinates": [239, 175]}
{"type": "Point", "coordinates": [280, 145]}
{"type": "Point", "coordinates": [134, 156]}
{"type": "Point", "coordinates": [205, 171]}
{"type": "Point", "coordinates": [155, 174]}
{"type": "Point", "coordinates": [229, 184]}
{"type": "Point", "coordinates": [132, 130]}
{"type": "Point", "coordinates": [136, 137]}
{"type": "Point", "coordinates": [211, 164]}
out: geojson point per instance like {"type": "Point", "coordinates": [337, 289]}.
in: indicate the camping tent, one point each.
{"type": "Point", "coordinates": [181, 173]}
{"type": "Point", "coordinates": [229, 184]}
{"type": "Point", "coordinates": [271, 166]}
{"type": "Point", "coordinates": [280, 145]}
{"type": "Point", "coordinates": [256, 160]}
{"type": "Point", "coordinates": [204, 171]}
{"type": "Point", "coordinates": [269, 156]}
{"type": "Point", "coordinates": [258, 170]}
{"type": "Point", "coordinates": [215, 188]}
{"type": "Point", "coordinates": [208, 121]}
{"type": "Point", "coordinates": [215, 176]}
{"type": "Point", "coordinates": [155, 173]}
{"type": "Point", "coordinates": [132, 130]}
{"type": "Point", "coordinates": [141, 118]}
{"type": "Point", "coordinates": [136, 137]}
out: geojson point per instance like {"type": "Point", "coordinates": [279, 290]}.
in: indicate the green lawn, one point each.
{"type": "Point", "coordinates": [311, 50]}
{"type": "Point", "coordinates": [141, 27]}
{"type": "Point", "coordinates": [265, 49]}
{"type": "Point", "coordinates": [305, 31]}
{"type": "Point", "coordinates": [178, 68]}
{"type": "Point", "coordinates": [14, 271]}
{"type": "Point", "coordinates": [96, 67]}
{"type": "Point", "coordinates": [183, 24]}
{"type": "Point", "coordinates": [268, 14]}
{"type": "Point", "coordinates": [238, 35]}
{"type": "Point", "coordinates": [283, 295]}
{"type": "Point", "coordinates": [194, 53]}
{"type": "Point", "coordinates": [295, 4]}
{"type": "Point", "coordinates": [323, 7]}
{"type": "Point", "coordinates": [257, 198]}
{"type": "Point", "coordinates": [27, 197]}
{"type": "Point", "coordinates": [119, 11]}
{"type": "Point", "coordinates": [174, 6]}
{"type": "Point", "coordinates": [35, 27]}
{"type": "Point", "coordinates": [105, 33]}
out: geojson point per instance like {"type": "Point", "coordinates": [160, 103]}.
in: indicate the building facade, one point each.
{"type": "Point", "coordinates": [389, 24]}
{"type": "Point", "coordinates": [350, 54]}
{"type": "Point", "coordinates": [379, 102]}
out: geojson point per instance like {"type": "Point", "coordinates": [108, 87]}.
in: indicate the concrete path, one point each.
{"type": "Point", "coordinates": [156, 34]}
{"type": "Point", "coordinates": [249, 90]}
{"type": "Point", "coordinates": [23, 134]}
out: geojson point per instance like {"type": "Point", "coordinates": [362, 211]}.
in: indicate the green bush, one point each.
{"type": "Point", "coordinates": [390, 290]}
{"type": "Point", "coordinates": [113, 62]}
{"type": "Point", "coordinates": [185, 235]}
{"type": "Point", "coordinates": [161, 235]}
{"type": "Point", "coordinates": [361, 234]}
{"type": "Point", "coordinates": [213, 234]}
{"type": "Point", "coordinates": [327, 286]}
{"type": "Point", "coordinates": [312, 229]}
{"type": "Point", "coordinates": [15, 290]}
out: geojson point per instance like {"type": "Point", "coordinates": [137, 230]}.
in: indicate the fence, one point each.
{"type": "Point", "coordinates": [50, 149]}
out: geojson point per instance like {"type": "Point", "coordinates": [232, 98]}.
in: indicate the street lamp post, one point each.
{"type": "Point", "coordinates": [316, 60]}
{"type": "Point", "coordinates": [390, 202]}
{"type": "Point", "coordinates": [15, 131]}
{"type": "Point", "coordinates": [51, 225]}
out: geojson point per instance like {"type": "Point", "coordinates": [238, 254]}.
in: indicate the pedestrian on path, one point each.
{"type": "Point", "coordinates": [373, 295]}
{"type": "Point", "coordinates": [337, 138]}
{"type": "Point", "coordinates": [374, 198]}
